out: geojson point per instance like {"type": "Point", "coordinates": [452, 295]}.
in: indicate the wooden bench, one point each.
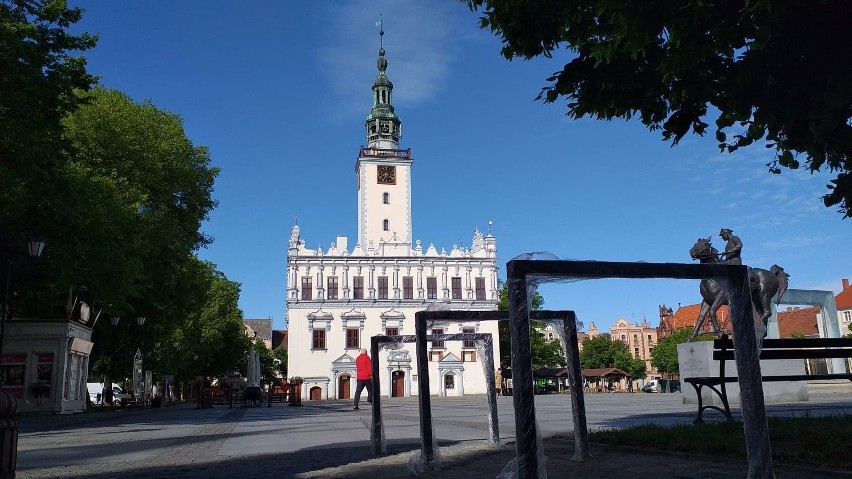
{"type": "Point", "coordinates": [723, 351]}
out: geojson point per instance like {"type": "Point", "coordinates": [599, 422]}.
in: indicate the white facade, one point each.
{"type": "Point", "coordinates": [339, 298]}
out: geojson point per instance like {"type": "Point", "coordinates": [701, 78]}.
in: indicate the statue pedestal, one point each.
{"type": "Point", "coordinates": [696, 360]}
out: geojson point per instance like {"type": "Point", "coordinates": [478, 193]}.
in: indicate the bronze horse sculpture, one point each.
{"type": "Point", "coordinates": [764, 284]}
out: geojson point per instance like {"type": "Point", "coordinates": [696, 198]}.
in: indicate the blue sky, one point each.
{"type": "Point", "coordinates": [279, 92]}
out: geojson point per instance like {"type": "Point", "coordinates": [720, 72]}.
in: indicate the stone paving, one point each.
{"type": "Point", "coordinates": [328, 439]}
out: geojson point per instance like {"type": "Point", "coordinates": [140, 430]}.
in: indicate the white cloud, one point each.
{"type": "Point", "coordinates": [420, 43]}
{"type": "Point", "coordinates": [801, 241]}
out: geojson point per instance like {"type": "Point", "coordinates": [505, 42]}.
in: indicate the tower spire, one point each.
{"type": "Point", "coordinates": [381, 30]}
{"type": "Point", "coordinates": [384, 128]}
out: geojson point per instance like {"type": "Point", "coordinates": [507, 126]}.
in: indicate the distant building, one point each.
{"type": "Point", "coordinates": [844, 307]}
{"type": "Point", "coordinates": [340, 297]}
{"type": "Point", "coordinates": [685, 317]}
{"type": "Point", "coordinates": [640, 339]}
{"type": "Point", "coordinates": [796, 321]}
{"type": "Point", "coordinates": [279, 338]}
{"type": "Point", "coordinates": [259, 329]}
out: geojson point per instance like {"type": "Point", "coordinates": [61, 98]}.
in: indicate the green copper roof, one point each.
{"type": "Point", "coordinates": [382, 123]}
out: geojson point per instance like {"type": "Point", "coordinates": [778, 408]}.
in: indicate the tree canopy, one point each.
{"type": "Point", "coordinates": [38, 77]}
{"type": "Point", "coordinates": [604, 352]}
{"type": "Point", "coordinates": [545, 354]}
{"type": "Point", "coordinates": [119, 194]}
{"type": "Point", "coordinates": [776, 72]}
{"type": "Point", "coordinates": [664, 354]}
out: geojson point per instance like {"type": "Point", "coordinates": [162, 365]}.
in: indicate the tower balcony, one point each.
{"type": "Point", "coordinates": [385, 153]}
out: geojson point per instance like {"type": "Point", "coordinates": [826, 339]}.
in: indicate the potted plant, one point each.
{"type": "Point", "coordinates": [296, 390]}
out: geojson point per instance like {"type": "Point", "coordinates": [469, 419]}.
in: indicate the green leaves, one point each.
{"type": "Point", "coordinates": [664, 354]}
{"type": "Point", "coordinates": [784, 69]}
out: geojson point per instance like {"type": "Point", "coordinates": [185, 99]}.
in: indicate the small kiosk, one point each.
{"type": "Point", "coordinates": [46, 363]}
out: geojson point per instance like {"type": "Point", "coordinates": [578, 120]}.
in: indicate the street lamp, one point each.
{"type": "Point", "coordinates": [8, 403]}
{"type": "Point", "coordinates": [34, 250]}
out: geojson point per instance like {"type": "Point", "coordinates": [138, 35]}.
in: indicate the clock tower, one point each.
{"type": "Point", "coordinates": [383, 171]}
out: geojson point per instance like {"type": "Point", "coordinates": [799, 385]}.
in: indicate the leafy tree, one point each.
{"type": "Point", "coordinates": [604, 352]}
{"type": "Point", "coordinates": [223, 339]}
{"type": "Point", "coordinates": [601, 352]}
{"type": "Point", "coordinates": [280, 353]}
{"type": "Point", "coordinates": [267, 364]}
{"type": "Point", "coordinates": [545, 354]}
{"type": "Point", "coordinates": [141, 190]}
{"type": "Point", "coordinates": [38, 77]}
{"type": "Point", "coordinates": [778, 72]}
{"type": "Point", "coordinates": [664, 354]}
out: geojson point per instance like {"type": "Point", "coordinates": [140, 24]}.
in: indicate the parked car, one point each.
{"type": "Point", "coordinates": [96, 393]}
{"type": "Point", "coordinates": [653, 386]}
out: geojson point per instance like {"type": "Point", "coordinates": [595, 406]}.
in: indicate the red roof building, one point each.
{"type": "Point", "coordinates": [796, 321]}
{"type": "Point", "coordinates": [844, 307]}
{"type": "Point", "coordinates": [685, 317]}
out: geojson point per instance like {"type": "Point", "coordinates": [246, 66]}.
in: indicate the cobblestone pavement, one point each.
{"type": "Point", "coordinates": [327, 439]}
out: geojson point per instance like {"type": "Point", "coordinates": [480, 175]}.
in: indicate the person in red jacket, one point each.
{"type": "Point", "coordinates": [364, 376]}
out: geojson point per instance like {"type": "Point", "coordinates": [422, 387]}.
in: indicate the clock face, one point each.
{"type": "Point", "coordinates": [386, 174]}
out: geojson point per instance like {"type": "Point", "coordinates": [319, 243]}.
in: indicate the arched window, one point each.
{"type": "Point", "coordinates": [386, 198]}
{"type": "Point", "coordinates": [386, 225]}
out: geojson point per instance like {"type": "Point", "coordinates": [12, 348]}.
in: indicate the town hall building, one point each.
{"type": "Point", "coordinates": [338, 298]}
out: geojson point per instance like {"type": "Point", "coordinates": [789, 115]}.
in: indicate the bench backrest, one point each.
{"type": "Point", "coordinates": [790, 348]}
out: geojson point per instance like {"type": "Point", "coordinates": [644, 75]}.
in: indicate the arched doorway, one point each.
{"type": "Point", "coordinates": [398, 384]}
{"type": "Point", "coordinates": [343, 387]}
{"type": "Point", "coordinates": [316, 393]}
{"type": "Point", "coordinates": [450, 386]}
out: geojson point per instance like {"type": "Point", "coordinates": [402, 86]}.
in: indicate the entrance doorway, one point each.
{"type": "Point", "coordinates": [343, 387]}
{"type": "Point", "coordinates": [398, 384]}
{"type": "Point", "coordinates": [316, 393]}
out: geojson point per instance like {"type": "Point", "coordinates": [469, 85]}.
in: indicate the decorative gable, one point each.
{"type": "Point", "coordinates": [450, 358]}
{"type": "Point", "coordinates": [345, 360]}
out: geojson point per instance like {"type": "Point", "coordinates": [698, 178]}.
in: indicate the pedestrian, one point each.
{"type": "Point", "coordinates": [498, 382]}
{"type": "Point", "coordinates": [364, 377]}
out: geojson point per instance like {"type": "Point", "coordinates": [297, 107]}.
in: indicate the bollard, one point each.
{"type": "Point", "coordinates": [8, 435]}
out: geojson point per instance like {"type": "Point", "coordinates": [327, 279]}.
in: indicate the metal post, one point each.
{"type": "Point", "coordinates": [491, 389]}
{"type": "Point", "coordinates": [575, 381]}
{"type": "Point", "coordinates": [8, 403]}
{"type": "Point", "coordinates": [424, 394]}
{"type": "Point", "coordinates": [377, 429]}
{"type": "Point", "coordinates": [526, 433]}
{"type": "Point", "coordinates": [747, 357]}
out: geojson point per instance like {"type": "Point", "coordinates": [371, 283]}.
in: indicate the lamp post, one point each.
{"type": "Point", "coordinates": [137, 372]}
{"type": "Point", "coordinates": [8, 403]}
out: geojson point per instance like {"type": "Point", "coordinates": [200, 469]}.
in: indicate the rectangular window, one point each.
{"type": "Point", "coordinates": [650, 342]}
{"type": "Point", "coordinates": [407, 287]}
{"type": "Point", "coordinates": [307, 288]}
{"type": "Point", "coordinates": [480, 289]}
{"type": "Point", "coordinates": [436, 355]}
{"type": "Point", "coordinates": [392, 331]}
{"type": "Point", "coordinates": [636, 352]}
{"type": "Point", "coordinates": [469, 356]}
{"type": "Point", "coordinates": [331, 293]}
{"type": "Point", "coordinates": [353, 338]}
{"type": "Point", "coordinates": [383, 287]}
{"type": "Point", "coordinates": [457, 288]}
{"type": "Point", "coordinates": [358, 287]}
{"type": "Point", "coordinates": [468, 344]}
{"type": "Point", "coordinates": [437, 344]}
{"type": "Point", "coordinates": [847, 316]}
{"type": "Point", "coordinates": [432, 288]}
{"type": "Point", "coordinates": [319, 339]}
